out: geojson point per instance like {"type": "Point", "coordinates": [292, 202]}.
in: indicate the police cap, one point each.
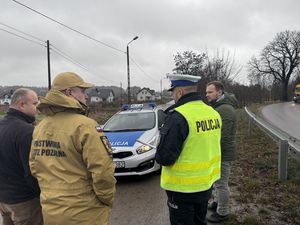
{"type": "Point", "coordinates": [182, 80]}
{"type": "Point", "coordinates": [67, 80]}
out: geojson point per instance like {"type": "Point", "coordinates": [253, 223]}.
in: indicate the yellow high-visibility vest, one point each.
{"type": "Point", "coordinates": [199, 164]}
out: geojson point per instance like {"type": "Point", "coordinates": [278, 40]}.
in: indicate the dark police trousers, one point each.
{"type": "Point", "coordinates": [188, 208]}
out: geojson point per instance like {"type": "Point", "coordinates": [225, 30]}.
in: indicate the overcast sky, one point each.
{"type": "Point", "coordinates": [164, 27]}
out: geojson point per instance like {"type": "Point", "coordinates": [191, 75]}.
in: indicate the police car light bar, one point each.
{"type": "Point", "coordinates": [138, 106]}
{"type": "Point", "coordinates": [152, 104]}
{"type": "Point", "coordinates": [125, 107]}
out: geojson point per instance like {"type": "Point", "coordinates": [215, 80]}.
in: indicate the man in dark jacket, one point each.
{"type": "Point", "coordinates": [19, 190]}
{"type": "Point", "coordinates": [189, 152]}
{"type": "Point", "coordinates": [224, 103]}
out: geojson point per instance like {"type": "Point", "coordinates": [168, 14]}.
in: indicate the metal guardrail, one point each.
{"type": "Point", "coordinates": [287, 143]}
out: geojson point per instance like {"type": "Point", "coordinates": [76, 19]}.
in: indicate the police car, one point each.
{"type": "Point", "coordinates": [133, 134]}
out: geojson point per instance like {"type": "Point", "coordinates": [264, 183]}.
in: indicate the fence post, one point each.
{"type": "Point", "coordinates": [250, 127]}
{"type": "Point", "coordinates": [283, 160]}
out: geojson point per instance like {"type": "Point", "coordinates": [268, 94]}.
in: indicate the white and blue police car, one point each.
{"type": "Point", "coordinates": [133, 134]}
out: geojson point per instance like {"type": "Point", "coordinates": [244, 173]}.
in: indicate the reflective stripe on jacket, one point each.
{"type": "Point", "coordinates": [198, 165]}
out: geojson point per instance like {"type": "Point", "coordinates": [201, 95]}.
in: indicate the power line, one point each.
{"type": "Point", "coordinates": [139, 67]}
{"type": "Point", "coordinates": [61, 53]}
{"type": "Point", "coordinates": [39, 39]}
{"type": "Point", "coordinates": [27, 39]}
{"type": "Point", "coordinates": [70, 59]}
{"type": "Point", "coordinates": [79, 32]}
{"type": "Point", "coordinates": [60, 23]}
{"type": "Point", "coordinates": [54, 49]}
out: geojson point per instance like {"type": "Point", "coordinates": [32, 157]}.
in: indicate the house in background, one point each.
{"type": "Point", "coordinates": [145, 94]}
{"type": "Point", "coordinates": [157, 96]}
{"type": "Point", "coordinates": [101, 95]}
{"type": "Point", "coordinates": [5, 99]}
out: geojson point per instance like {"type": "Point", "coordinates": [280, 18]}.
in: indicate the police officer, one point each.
{"type": "Point", "coordinates": [189, 152]}
{"type": "Point", "coordinates": [70, 157]}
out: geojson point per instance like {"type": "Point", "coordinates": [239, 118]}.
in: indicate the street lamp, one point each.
{"type": "Point", "coordinates": [128, 70]}
{"type": "Point", "coordinates": [161, 88]}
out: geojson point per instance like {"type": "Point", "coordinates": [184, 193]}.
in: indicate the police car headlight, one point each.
{"type": "Point", "coordinates": [143, 149]}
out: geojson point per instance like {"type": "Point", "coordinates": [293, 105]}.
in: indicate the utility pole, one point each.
{"type": "Point", "coordinates": [128, 77]}
{"type": "Point", "coordinates": [161, 89]}
{"type": "Point", "coordinates": [48, 59]}
{"type": "Point", "coordinates": [128, 70]}
{"type": "Point", "coordinates": [161, 94]}
{"type": "Point", "coordinates": [121, 93]}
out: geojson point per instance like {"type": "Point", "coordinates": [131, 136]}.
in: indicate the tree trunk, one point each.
{"type": "Point", "coordinates": [284, 96]}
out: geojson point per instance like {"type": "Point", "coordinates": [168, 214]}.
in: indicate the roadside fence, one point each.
{"type": "Point", "coordinates": [287, 144]}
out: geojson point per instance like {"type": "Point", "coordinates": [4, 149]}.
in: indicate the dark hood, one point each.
{"type": "Point", "coordinates": [226, 98]}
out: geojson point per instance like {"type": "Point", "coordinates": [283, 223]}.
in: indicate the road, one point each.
{"type": "Point", "coordinates": [285, 116]}
{"type": "Point", "coordinates": [139, 201]}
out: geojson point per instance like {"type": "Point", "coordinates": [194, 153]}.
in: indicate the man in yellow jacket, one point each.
{"type": "Point", "coordinates": [189, 152]}
{"type": "Point", "coordinates": [70, 158]}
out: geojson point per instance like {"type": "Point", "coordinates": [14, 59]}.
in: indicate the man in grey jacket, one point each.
{"type": "Point", "coordinates": [224, 103]}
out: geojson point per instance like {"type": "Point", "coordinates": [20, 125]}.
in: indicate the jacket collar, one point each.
{"type": "Point", "coordinates": [226, 98]}
{"type": "Point", "coordinates": [20, 115]}
{"type": "Point", "coordinates": [194, 96]}
{"type": "Point", "coordinates": [215, 101]}
{"type": "Point", "coordinates": [56, 101]}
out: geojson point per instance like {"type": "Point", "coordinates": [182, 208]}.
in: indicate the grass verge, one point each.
{"type": "Point", "coordinates": [257, 197]}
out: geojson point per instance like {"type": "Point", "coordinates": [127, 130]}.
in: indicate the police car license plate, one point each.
{"type": "Point", "coordinates": [119, 164]}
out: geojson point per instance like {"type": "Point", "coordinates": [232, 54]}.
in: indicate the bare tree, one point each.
{"type": "Point", "coordinates": [189, 62]}
{"type": "Point", "coordinates": [222, 67]}
{"type": "Point", "coordinates": [278, 60]}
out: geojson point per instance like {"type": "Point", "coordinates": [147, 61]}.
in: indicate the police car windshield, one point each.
{"type": "Point", "coordinates": [131, 122]}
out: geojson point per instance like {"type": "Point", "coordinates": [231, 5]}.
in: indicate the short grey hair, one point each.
{"type": "Point", "coordinates": [19, 94]}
